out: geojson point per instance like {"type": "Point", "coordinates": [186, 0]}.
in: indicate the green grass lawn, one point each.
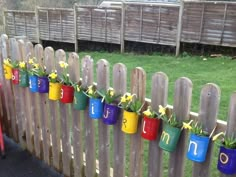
{"type": "Point", "coordinates": [200, 70]}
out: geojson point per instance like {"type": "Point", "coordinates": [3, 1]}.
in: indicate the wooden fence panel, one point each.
{"type": "Point", "coordinates": [159, 97]}
{"type": "Point", "coordinates": [209, 105]}
{"type": "Point", "coordinates": [89, 149]}
{"type": "Point", "coordinates": [138, 87]}
{"type": "Point", "coordinates": [120, 86]}
{"type": "Point", "coordinates": [103, 129]}
{"type": "Point", "coordinates": [182, 103]}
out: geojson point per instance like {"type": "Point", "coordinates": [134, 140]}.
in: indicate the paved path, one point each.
{"type": "Point", "coordinates": [19, 163]}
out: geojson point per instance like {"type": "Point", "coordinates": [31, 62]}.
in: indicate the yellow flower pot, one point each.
{"type": "Point", "coordinates": [54, 91]}
{"type": "Point", "coordinates": [7, 72]}
{"type": "Point", "coordinates": [129, 122]}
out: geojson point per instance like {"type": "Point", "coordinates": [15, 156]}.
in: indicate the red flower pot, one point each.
{"type": "Point", "coordinates": [150, 128]}
{"type": "Point", "coordinates": [15, 76]}
{"type": "Point", "coordinates": [67, 94]}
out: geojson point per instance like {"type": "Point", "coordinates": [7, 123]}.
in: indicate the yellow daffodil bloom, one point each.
{"type": "Point", "coordinates": [123, 99]}
{"type": "Point", "coordinates": [63, 64]}
{"type": "Point", "coordinates": [90, 92]}
{"type": "Point", "coordinates": [31, 61]}
{"type": "Point", "coordinates": [53, 75]}
{"type": "Point", "coordinates": [217, 136]}
{"type": "Point", "coordinates": [147, 112]}
{"type": "Point", "coordinates": [36, 66]}
{"type": "Point", "coordinates": [162, 110]}
{"type": "Point", "coordinates": [129, 97]}
{"type": "Point", "coordinates": [7, 62]}
{"type": "Point", "coordinates": [78, 88]}
{"type": "Point", "coordinates": [187, 125]}
{"type": "Point", "coordinates": [111, 92]}
{"type": "Point", "coordinates": [22, 64]}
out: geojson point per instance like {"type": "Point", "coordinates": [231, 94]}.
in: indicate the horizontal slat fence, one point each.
{"type": "Point", "coordinates": [67, 139]}
{"type": "Point", "coordinates": [21, 23]}
{"type": "Point", "coordinates": [98, 24]}
{"type": "Point", "coordinates": [150, 23]}
{"type": "Point", "coordinates": [56, 24]}
{"type": "Point", "coordinates": [209, 23]}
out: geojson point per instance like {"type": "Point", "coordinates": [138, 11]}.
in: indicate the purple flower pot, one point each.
{"type": "Point", "coordinates": [110, 114]}
{"type": "Point", "coordinates": [227, 161]}
{"type": "Point", "coordinates": [43, 84]}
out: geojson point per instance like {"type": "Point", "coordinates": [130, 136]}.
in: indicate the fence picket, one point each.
{"type": "Point", "coordinates": [103, 130]}
{"type": "Point", "coordinates": [28, 104]}
{"type": "Point", "coordinates": [119, 85]}
{"type": "Point", "coordinates": [159, 97]}
{"type": "Point", "coordinates": [209, 104]}
{"type": "Point", "coordinates": [138, 87]}
{"type": "Point", "coordinates": [231, 124]}
{"type": "Point", "coordinates": [182, 103]}
{"type": "Point", "coordinates": [87, 80]}
{"type": "Point", "coordinates": [65, 124]}
{"type": "Point", "coordinates": [77, 120]}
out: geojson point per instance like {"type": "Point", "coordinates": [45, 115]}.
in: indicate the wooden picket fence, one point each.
{"type": "Point", "coordinates": [76, 145]}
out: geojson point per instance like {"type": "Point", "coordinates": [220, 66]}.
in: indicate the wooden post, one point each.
{"type": "Point", "coordinates": [122, 29]}
{"type": "Point", "coordinates": [138, 87]}
{"type": "Point", "coordinates": [182, 104]}
{"type": "Point", "coordinates": [120, 86]}
{"type": "Point", "coordinates": [231, 123]}
{"type": "Point", "coordinates": [37, 25]}
{"type": "Point", "coordinates": [75, 28]}
{"type": "Point", "coordinates": [179, 28]}
{"type": "Point", "coordinates": [103, 130]}
{"type": "Point", "coordinates": [159, 97]}
{"type": "Point", "coordinates": [223, 25]}
{"type": "Point", "coordinates": [209, 105]}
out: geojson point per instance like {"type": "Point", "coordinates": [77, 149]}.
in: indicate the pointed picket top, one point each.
{"type": "Point", "coordinates": [49, 59]}
{"type": "Point", "coordinates": [14, 49]}
{"type": "Point", "coordinates": [38, 49]}
{"type": "Point", "coordinates": [120, 78]}
{"type": "Point", "coordinates": [87, 71]}
{"type": "Point", "coordinates": [5, 46]}
{"type": "Point", "coordinates": [74, 67]}
{"type": "Point", "coordinates": [60, 55]}
{"type": "Point", "coordinates": [231, 122]}
{"type": "Point", "coordinates": [21, 50]}
{"type": "Point", "coordinates": [138, 81]}
{"type": "Point", "coordinates": [29, 49]}
{"type": "Point", "coordinates": [102, 74]}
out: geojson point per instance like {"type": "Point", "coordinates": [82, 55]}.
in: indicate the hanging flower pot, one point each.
{"type": "Point", "coordinates": [169, 137]}
{"type": "Point", "coordinates": [197, 148]}
{"type": "Point", "coordinates": [67, 94]}
{"type": "Point", "coordinates": [33, 83]}
{"type": "Point", "coordinates": [80, 100]}
{"type": "Point", "coordinates": [95, 108]}
{"type": "Point", "coordinates": [7, 72]}
{"type": "Point", "coordinates": [129, 122]}
{"type": "Point", "coordinates": [15, 76]}
{"type": "Point", "coordinates": [43, 84]}
{"type": "Point", "coordinates": [227, 161]}
{"type": "Point", "coordinates": [150, 128]}
{"type": "Point", "coordinates": [110, 114]}
{"type": "Point", "coordinates": [24, 79]}
{"type": "Point", "coordinates": [54, 91]}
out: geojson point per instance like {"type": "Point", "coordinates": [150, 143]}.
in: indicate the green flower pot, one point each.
{"type": "Point", "coordinates": [169, 138]}
{"type": "Point", "coordinates": [24, 79]}
{"type": "Point", "coordinates": [80, 100]}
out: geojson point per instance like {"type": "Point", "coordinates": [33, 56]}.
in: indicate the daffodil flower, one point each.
{"type": "Point", "coordinates": [7, 62]}
{"type": "Point", "coordinates": [63, 64]}
{"type": "Point", "coordinates": [31, 61]}
{"type": "Point", "coordinates": [78, 88]}
{"type": "Point", "coordinates": [123, 99]}
{"type": "Point", "coordinates": [53, 75]}
{"type": "Point", "coordinates": [129, 97]}
{"type": "Point", "coordinates": [147, 112]}
{"type": "Point", "coordinates": [111, 92]}
{"type": "Point", "coordinates": [162, 110]}
{"type": "Point", "coordinates": [22, 64]}
{"type": "Point", "coordinates": [218, 135]}
{"type": "Point", "coordinates": [36, 66]}
{"type": "Point", "coordinates": [187, 125]}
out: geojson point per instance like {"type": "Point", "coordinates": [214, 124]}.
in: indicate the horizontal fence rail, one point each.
{"type": "Point", "coordinates": [210, 23]}
{"type": "Point", "coordinates": [76, 145]}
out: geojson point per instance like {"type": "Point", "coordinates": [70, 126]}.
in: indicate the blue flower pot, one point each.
{"type": "Point", "coordinates": [227, 161]}
{"type": "Point", "coordinates": [95, 108]}
{"type": "Point", "coordinates": [197, 148]}
{"type": "Point", "coordinates": [33, 83]}
{"type": "Point", "coordinates": [110, 114]}
{"type": "Point", "coordinates": [43, 85]}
